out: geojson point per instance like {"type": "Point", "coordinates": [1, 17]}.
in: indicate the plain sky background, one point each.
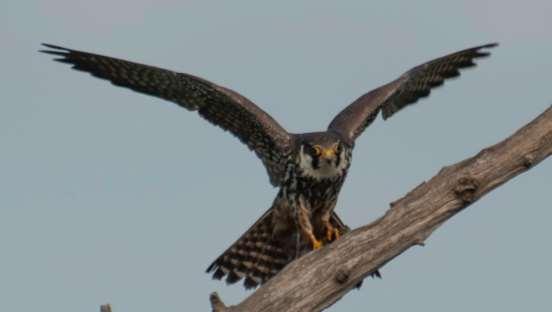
{"type": "Point", "coordinates": [111, 196]}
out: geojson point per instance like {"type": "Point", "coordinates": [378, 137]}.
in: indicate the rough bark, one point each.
{"type": "Point", "coordinates": [337, 268]}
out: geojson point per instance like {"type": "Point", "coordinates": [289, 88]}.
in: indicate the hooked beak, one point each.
{"type": "Point", "coordinates": [328, 153]}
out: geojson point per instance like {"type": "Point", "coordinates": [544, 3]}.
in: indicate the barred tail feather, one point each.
{"type": "Point", "coordinates": [255, 257]}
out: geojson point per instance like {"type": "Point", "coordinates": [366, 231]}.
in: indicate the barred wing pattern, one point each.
{"type": "Point", "coordinates": [407, 89]}
{"type": "Point", "coordinates": [220, 106]}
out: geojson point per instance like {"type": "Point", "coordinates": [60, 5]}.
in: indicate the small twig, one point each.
{"type": "Point", "coordinates": [105, 308]}
{"type": "Point", "coordinates": [216, 303]}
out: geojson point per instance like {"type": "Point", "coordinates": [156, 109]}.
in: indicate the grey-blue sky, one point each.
{"type": "Point", "coordinates": [108, 195]}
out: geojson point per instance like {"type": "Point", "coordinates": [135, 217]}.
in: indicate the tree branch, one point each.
{"type": "Point", "coordinates": [337, 268]}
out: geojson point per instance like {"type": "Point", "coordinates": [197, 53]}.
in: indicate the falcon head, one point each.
{"type": "Point", "coordinates": [322, 156]}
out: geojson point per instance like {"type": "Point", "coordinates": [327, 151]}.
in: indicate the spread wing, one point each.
{"type": "Point", "coordinates": [220, 106]}
{"type": "Point", "coordinates": [407, 89]}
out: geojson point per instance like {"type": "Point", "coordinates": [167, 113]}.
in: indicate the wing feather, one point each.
{"type": "Point", "coordinates": [413, 85]}
{"type": "Point", "coordinates": [220, 106]}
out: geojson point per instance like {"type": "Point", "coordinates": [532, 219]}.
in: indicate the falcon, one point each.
{"type": "Point", "coordinates": [308, 168]}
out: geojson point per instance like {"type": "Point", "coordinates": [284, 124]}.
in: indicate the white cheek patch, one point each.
{"type": "Point", "coordinates": [305, 162]}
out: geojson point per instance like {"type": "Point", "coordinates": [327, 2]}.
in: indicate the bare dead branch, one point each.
{"type": "Point", "coordinates": [337, 268]}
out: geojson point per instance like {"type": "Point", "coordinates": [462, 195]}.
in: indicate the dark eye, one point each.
{"type": "Point", "coordinates": [316, 150]}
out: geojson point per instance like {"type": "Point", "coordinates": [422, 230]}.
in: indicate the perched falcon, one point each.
{"type": "Point", "coordinates": [308, 168]}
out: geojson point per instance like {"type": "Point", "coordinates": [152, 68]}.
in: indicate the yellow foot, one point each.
{"type": "Point", "coordinates": [316, 244]}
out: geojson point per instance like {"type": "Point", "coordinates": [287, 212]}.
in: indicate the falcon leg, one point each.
{"type": "Point", "coordinates": [332, 233]}
{"type": "Point", "coordinates": [306, 227]}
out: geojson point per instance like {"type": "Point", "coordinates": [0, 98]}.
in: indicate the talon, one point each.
{"type": "Point", "coordinates": [316, 244]}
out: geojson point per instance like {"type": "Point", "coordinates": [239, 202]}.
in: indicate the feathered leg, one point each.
{"type": "Point", "coordinates": [305, 225]}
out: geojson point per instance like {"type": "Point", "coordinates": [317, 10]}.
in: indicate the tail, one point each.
{"type": "Point", "coordinates": [258, 255]}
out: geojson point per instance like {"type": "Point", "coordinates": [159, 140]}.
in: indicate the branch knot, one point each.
{"type": "Point", "coordinates": [341, 276]}
{"type": "Point", "coordinates": [528, 161]}
{"type": "Point", "coordinates": [465, 189]}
